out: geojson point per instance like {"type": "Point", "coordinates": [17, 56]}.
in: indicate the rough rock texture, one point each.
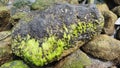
{"type": "Point", "coordinates": [103, 47]}
{"type": "Point", "coordinates": [5, 52]}
{"type": "Point", "coordinates": [109, 18]}
{"type": "Point", "coordinates": [97, 63]}
{"type": "Point", "coordinates": [78, 59]}
{"type": "Point", "coordinates": [116, 10]}
{"type": "Point", "coordinates": [5, 49]}
{"type": "Point", "coordinates": [4, 18]}
{"type": "Point", "coordinates": [42, 4]}
{"type": "Point", "coordinates": [56, 29]}
{"type": "Point", "coordinates": [14, 64]}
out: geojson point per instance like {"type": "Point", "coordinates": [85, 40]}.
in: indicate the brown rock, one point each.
{"type": "Point", "coordinates": [5, 49]}
{"type": "Point", "coordinates": [78, 59]}
{"type": "Point", "coordinates": [5, 52]}
{"type": "Point", "coordinates": [103, 47]}
{"type": "Point", "coordinates": [116, 10]}
{"type": "Point", "coordinates": [109, 17]}
{"type": "Point", "coordinates": [4, 18]}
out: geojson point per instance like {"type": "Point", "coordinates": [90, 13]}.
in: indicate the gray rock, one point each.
{"type": "Point", "coordinates": [103, 47]}
{"type": "Point", "coordinates": [78, 59]}
{"type": "Point", "coordinates": [43, 4]}
{"type": "Point", "coordinates": [97, 63]}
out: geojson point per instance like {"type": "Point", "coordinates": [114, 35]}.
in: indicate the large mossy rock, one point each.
{"type": "Point", "coordinates": [14, 64]}
{"type": "Point", "coordinates": [104, 47]}
{"type": "Point", "coordinates": [55, 30]}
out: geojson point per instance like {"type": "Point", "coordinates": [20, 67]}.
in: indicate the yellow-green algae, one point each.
{"type": "Point", "coordinates": [20, 16]}
{"type": "Point", "coordinates": [52, 47]}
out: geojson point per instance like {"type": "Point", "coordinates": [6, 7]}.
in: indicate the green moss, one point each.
{"type": "Point", "coordinates": [29, 50]}
{"type": "Point", "coordinates": [14, 64]}
{"type": "Point", "coordinates": [20, 15]}
{"type": "Point", "coordinates": [78, 59]}
{"type": "Point", "coordinates": [41, 53]}
{"type": "Point", "coordinates": [42, 4]}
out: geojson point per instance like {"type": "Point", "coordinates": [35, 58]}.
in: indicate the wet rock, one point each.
{"type": "Point", "coordinates": [78, 59]}
{"type": "Point", "coordinates": [103, 47]}
{"type": "Point", "coordinates": [116, 10]}
{"type": "Point", "coordinates": [109, 17]}
{"type": "Point", "coordinates": [54, 31]}
{"type": "Point", "coordinates": [14, 64]}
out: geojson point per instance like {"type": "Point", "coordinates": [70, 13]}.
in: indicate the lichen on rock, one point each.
{"type": "Point", "coordinates": [44, 39]}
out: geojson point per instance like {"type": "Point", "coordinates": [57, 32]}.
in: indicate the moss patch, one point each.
{"type": "Point", "coordinates": [15, 64]}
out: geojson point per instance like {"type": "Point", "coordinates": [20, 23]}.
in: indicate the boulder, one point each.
{"type": "Point", "coordinates": [97, 63]}
{"type": "Point", "coordinates": [5, 49]}
{"type": "Point", "coordinates": [14, 64]}
{"type": "Point", "coordinates": [5, 52]}
{"type": "Point", "coordinates": [116, 10]}
{"type": "Point", "coordinates": [55, 30]}
{"type": "Point", "coordinates": [78, 59]}
{"type": "Point", "coordinates": [109, 18]}
{"type": "Point", "coordinates": [103, 47]}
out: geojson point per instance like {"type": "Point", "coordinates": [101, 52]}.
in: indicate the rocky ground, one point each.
{"type": "Point", "coordinates": [59, 34]}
